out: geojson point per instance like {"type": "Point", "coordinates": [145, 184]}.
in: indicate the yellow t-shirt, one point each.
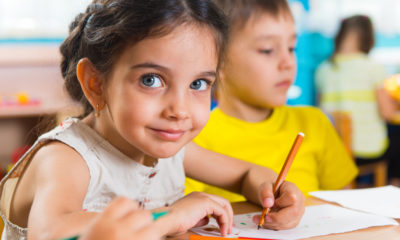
{"type": "Point", "coordinates": [321, 163]}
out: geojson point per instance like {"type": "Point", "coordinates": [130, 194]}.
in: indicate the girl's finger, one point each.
{"type": "Point", "coordinates": [227, 206]}
{"type": "Point", "coordinates": [220, 214]}
{"type": "Point", "coordinates": [204, 221]}
{"type": "Point", "coordinates": [148, 233]}
{"type": "Point", "coordinates": [119, 207]}
{"type": "Point", "coordinates": [136, 219]}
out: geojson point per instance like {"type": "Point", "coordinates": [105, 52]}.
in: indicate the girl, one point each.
{"type": "Point", "coordinates": [351, 82]}
{"type": "Point", "coordinates": [143, 71]}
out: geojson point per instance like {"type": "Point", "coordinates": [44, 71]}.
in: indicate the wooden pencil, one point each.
{"type": "Point", "coordinates": [283, 173]}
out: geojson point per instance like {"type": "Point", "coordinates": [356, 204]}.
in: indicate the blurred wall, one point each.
{"type": "Point", "coordinates": [317, 22]}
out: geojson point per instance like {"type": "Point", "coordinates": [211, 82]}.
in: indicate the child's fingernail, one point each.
{"type": "Point", "coordinates": [268, 202]}
{"type": "Point", "coordinates": [268, 219]}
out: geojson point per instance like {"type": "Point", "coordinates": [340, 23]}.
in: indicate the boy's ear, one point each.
{"type": "Point", "coordinates": [91, 82]}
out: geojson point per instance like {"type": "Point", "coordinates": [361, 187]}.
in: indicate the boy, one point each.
{"type": "Point", "coordinates": [251, 122]}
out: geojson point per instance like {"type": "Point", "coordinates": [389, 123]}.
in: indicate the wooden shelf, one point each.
{"type": "Point", "coordinates": [19, 55]}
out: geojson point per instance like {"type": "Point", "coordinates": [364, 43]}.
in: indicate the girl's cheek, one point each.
{"type": "Point", "coordinates": [202, 117]}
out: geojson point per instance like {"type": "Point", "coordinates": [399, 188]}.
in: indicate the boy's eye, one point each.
{"type": "Point", "coordinates": [151, 80]}
{"type": "Point", "coordinates": [266, 51]}
{"type": "Point", "coordinates": [199, 84]}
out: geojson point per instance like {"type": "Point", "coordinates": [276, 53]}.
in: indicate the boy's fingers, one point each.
{"type": "Point", "coordinates": [290, 195]}
{"type": "Point", "coordinates": [266, 195]}
{"type": "Point", "coordinates": [287, 210]}
{"type": "Point", "coordinates": [271, 222]}
{"type": "Point", "coordinates": [285, 218]}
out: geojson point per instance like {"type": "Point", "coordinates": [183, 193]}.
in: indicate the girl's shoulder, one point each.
{"type": "Point", "coordinates": [55, 157]}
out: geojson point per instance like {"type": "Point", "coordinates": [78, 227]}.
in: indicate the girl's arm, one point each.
{"type": "Point", "coordinates": [388, 107]}
{"type": "Point", "coordinates": [60, 179]}
{"type": "Point", "coordinates": [253, 181]}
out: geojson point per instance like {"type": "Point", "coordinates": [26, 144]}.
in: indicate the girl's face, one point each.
{"type": "Point", "coordinates": [261, 64]}
{"type": "Point", "coordinates": [158, 94]}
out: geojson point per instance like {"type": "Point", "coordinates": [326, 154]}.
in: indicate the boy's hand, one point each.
{"type": "Point", "coordinates": [121, 220]}
{"type": "Point", "coordinates": [193, 211]}
{"type": "Point", "coordinates": [286, 210]}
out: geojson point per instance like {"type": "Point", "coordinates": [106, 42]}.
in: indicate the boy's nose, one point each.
{"type": "Point", "coordinates": [287, 61]}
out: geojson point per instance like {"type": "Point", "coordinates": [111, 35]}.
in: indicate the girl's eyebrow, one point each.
{"type": "Point", "coordinates": [165, 69]}
{"type": "Point", "coordinates": [150, 65]}
{"type": "Point", "coordinates": [208, 74]}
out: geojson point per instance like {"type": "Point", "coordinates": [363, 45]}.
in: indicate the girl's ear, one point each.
{"type": "Point", "coordinates": [92, 83]}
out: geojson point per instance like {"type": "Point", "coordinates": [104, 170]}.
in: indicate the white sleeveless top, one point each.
{"type": "Point", "coordinates": [111, 174]}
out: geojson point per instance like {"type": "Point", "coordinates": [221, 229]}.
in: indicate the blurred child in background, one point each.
{"type": "Point", "coordinates": [351, 82]}
{"type": "Point", "coordinates": [251, 121]}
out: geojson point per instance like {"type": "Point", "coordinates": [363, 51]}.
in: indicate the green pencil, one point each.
{"type": "Point", "coordinates": [156, 215]}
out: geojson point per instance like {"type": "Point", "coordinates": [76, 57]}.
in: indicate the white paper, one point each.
{"type": "Point", "coordinates": [317, 220]}
{"type": "Point", "coordinates": [384, 201]}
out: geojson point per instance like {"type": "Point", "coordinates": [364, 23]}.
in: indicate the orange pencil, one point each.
{"type": "Point", "coordinates": [284, 171]}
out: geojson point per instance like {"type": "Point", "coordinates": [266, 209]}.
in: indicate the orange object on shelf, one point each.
{"type": "Point", "coordinates": [22, 98]}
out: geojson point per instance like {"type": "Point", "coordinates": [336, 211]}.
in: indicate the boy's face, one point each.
{"type": "Point", "coordinates": [261, 63]}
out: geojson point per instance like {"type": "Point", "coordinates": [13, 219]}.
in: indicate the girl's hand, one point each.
{"type": "Point", "coordinates": [286, 210]}
{"type": "Point", "coordinates": [121, 220]}
{"type": "Point", "coordinates": [193, 211]}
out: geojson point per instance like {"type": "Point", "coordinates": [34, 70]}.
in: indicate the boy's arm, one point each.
{"type": "Point", "coordinates": [253, 181]}
{"type": "Point", "coordinates": [226, 172]}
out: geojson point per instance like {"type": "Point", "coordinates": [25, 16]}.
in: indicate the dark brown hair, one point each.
{"type": "Point", "coordinates": [107, 27]}
{"type": "Point", "coordinates": [238, 12]}
{"type": "Point", "coordinates": [362, 26]}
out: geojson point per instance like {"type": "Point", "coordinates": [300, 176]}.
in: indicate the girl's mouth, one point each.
{"type": "Point", "coordinates": [169, 134]}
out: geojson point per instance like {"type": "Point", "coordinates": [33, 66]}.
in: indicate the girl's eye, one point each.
{"type": "Point", "coordinates": [199, 84]}
{"type": "Point", "coordinates": [151, 80]}
{"type": "Point", "coordinates": [292, 49]}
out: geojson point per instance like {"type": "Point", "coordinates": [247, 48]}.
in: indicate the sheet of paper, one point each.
{"type": "Point", "coordinates": [384, 201]}
{"type": "Point", "coordinates": [318, 220]}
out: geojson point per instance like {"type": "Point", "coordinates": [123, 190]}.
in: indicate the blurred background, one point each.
{"type": "Point", "coordinates": [31, 31]}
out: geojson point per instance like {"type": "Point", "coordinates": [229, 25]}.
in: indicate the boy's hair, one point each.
{"type": "Point", "coordinates": [107, 27]}
{"type": "Point", "coordinates": [360, 24]}
{"type": "Point", "coordinates": [238, 12]}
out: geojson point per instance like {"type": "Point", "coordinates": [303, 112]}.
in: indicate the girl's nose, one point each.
{"type": "Point", "coordinates": [177, 109]}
